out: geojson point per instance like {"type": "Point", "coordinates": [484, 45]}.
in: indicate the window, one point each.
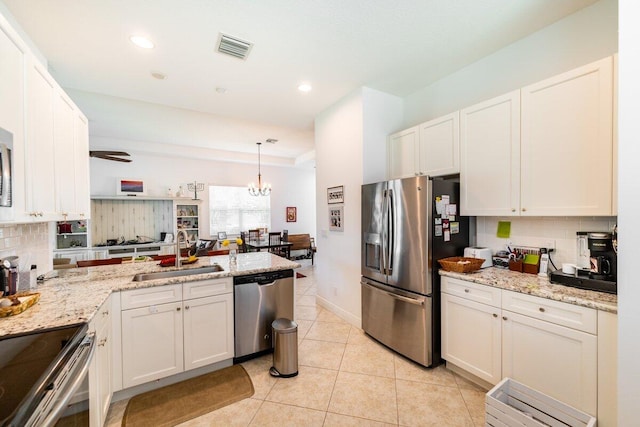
{"type": "Point", "coordinates": [234, 210]}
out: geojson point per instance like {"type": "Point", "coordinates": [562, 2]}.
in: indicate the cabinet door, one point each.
{"type": "Point", "coordinates": [208, 330]}
{"type": "Point", "coordinates": [471, 337]}
{"type": "Point", "coordinates": [567, 143]}
{"type": "Point", "coordinates": [101, 371]}
{"type": "Point", "coordinates": [64, 136]}
{"type": "Point", "coordinates": [12, 118]}
{"type": "Point", "coordinates": [81, 166]}
{"type": "Point", "coordinates": [490, 157]}
{"type": "Point", "coordinates": [403, 153]}
{"type": "Point", "coordinates": [440, 146]}
{"type": "Point", "coordinates": [552, 359]}
{"type": "Point", "coordinates": [151, 343]}
{"type": "Point", "coordinates": [39, 149]}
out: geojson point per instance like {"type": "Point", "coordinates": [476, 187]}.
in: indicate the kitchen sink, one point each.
{"type": "Point", "coordinates": [141, 277]}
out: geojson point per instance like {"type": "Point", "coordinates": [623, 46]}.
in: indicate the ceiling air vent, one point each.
{"type": "Point", "coordinates": [234, 46]}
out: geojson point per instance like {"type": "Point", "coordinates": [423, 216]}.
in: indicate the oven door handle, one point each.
{"type": "Point", "coordinates": [77, 373]}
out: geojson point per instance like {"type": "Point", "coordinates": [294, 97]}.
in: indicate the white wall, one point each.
{"type": "Point", "coordinates": [628, 214]}
{"type": "Point", "coordinates": [583, 37]}
{"type": "Point", "coordinates": [291, 186]}
{"type": "Point", "coordinates": [350, 149]}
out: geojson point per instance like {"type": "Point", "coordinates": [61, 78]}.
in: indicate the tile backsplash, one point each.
{"type": "Point", "coordinates": [28, 241]}
{"type": "Point", "coordinates": [540, 231]}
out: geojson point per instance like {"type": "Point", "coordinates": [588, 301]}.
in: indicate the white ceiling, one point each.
{"type": "Point", "coordinates": [335, 45]}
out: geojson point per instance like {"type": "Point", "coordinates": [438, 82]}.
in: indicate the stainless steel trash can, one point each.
{"type": "Point", "coordinates": [285, 348]}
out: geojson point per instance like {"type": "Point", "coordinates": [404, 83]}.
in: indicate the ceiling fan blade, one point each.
{"type": "Point", "coordinates": [109, 155]}
{"type": "Point", "coordinates": [116, 159]}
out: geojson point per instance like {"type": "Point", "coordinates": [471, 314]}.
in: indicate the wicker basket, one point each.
{"type": "Point", "coordinates": [460, 264]}
{"type": "Point", "coordinates": [27, 299]}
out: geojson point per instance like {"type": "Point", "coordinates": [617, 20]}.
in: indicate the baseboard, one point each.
{"type": "Point", "coordinates": [338, 311]}
{"type": "Point", "coordinates": [469, 376]}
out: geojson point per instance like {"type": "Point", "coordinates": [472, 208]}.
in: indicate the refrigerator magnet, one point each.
{"type": "Point", "coordinates": [438, 231]}
{"type": "Point", "coordinates": [452, 209]}
{"type": "Point", "coordinates": [447, 235]}
{"type": "Point", "coordinates": [439, 205]}
{"type": "Point", "coordinates": [438, 221]}
{"type": "Point", "coordinates": [454, 227]}
{"type": "Point", "coordinates": [445, 224]}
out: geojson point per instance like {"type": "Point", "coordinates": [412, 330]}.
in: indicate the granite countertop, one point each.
{"type": "Point", "coordinates": [75, 296]}
{"type": "Point", "coordinates": [107, 247]}
{"type": "Point", "coordinates": [538, 286]}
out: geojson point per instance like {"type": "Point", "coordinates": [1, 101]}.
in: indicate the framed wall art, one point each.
{"type": "Point", "coordinates": [336, 218]}
{"type": "Point", "coordinates": [292, 214]}
{"type": "Point", "coordinates": [335, 194]}
{"type": "Point", "coordinates": [130, 187]}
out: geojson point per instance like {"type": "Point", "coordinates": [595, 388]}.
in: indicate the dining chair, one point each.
{"type": "Point", "coordinates": [285, 235]}
{"type": "Point", "coordinates": [254, 234]}
{"type": "Point", "coordinates": [243, 247]}
{"type": "Point", "coordinates": [275, 239]}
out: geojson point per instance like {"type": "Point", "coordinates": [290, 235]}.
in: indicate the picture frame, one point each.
{"type": "Point", "coordinates": [336, 218]}
{"type": "Point", "coordinates": [292, 214]}
{"type": "Point", "coordinates": [335, 195]}
{"type": "Point", "coordinates": [130, 187]}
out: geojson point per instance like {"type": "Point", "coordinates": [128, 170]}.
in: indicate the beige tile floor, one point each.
{"type": "Point", "coordinates": [345, 379]}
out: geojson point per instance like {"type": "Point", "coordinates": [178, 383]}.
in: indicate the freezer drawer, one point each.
{"type": "Point", "coordinates": [400, 320]}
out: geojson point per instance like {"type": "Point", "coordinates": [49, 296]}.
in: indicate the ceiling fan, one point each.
{"type": "Point", "coordinates": [110, 155]}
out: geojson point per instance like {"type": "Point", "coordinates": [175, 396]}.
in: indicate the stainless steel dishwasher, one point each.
{"type": "Point", "coordinates": [259, 299]}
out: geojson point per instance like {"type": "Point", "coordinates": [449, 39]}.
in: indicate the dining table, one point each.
{"type": "Point", "coordinates": [260, 244]}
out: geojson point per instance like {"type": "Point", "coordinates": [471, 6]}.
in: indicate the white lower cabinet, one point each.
{"type": "Point", "coordinates": [174, 328]}
{"type": "Point", "coordinates": [548, 345]}
{"type": "Point", "coordinates": [101, 369]}
{"type": "Point", "coordinates": [472, 337]}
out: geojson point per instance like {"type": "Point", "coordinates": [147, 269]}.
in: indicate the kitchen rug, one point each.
{"type": "Point", "coordinates": [299, 275]}
{"type": "Point", "coordinates": [177, 403]}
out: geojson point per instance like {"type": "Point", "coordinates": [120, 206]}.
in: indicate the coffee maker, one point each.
{"type": "Point", "coordinates": [603, 259]}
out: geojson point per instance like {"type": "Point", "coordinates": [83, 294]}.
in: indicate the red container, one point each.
{"type": "Point", "coordinates": [64, 227]}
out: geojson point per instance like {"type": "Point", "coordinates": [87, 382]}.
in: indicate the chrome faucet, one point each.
{"type": "Point", "coordinates": [186, 239]}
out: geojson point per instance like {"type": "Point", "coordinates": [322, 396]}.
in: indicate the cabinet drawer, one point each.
{"type": "Point", "coordinates": [471, 291]}
{"type": "Point", "coordinates": [151, 296]}
{"type": "Point", "coordinates": [206, 288]}
{"type": "Point", "coordinates": [569, 315]}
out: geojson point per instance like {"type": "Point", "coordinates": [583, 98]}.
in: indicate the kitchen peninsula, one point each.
{"type": "Point", "coordinates": [75, 296]}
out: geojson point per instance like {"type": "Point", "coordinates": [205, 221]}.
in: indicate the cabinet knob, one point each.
{"type": "Point", "coordinates": [513, 209]}
{"type": "Point", "coordinates": [105, 313]}
{"type": "Point", "coordinates": [40, 214]}
{"type": "Point", "coordinates": [495, 315]}
{"type": "Point", "coordinates": [82, 215]}
{"type": "Point", "coordinates": [504, 317]}
{"type": "Point", "coordinates": [541, 309]}
{"type": "Point", "coordinates": [102, 342]}
{"type": "Point", "coordinates": [178, 309]}
{"type": "Point", "coordinates": [524, 209]}
{"type": "Point", "coordinates": [186, 307]}
{"type": "Point", "coordinates": [466, 291]}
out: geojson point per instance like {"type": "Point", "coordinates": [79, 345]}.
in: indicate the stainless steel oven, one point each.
{"type": "Point", "coordinates": [41, 372]}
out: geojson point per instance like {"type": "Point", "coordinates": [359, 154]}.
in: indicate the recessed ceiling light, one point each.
{"type": "Point", "coordinates": [158, 75]}
{"type": "Point", "coordinates": [304, 87]}
{"type": "Point", "coordinates": [142, 42]}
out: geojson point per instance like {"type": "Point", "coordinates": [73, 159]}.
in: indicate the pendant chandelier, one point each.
{"type": "Point", "coordinates": [261, 189]}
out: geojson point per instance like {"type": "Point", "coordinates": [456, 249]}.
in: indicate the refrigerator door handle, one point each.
{"type": "Point", "coordinates": [391, 224]}
{"type": "Point", "coordinates": [385, 202]}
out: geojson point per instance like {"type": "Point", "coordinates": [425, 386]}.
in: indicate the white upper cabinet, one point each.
{"type": "Point", "coordinates": [39, 149]}
{"type": "Point", "coordinates": [403, 153]}
{"type": "Point", "coordinates": [81, 166]}
{"type": "Point", "coordinates": [431, 148]}
{"type": "Point", "coordinates": [12, 57]}
{"type": "Point", "coordinates": [49, 159]}
{"type": "Point", "coordinates": [490, 157]}
{"type": "Point", "coordinates": [439, 151]}
{"type": "Point", "coordinates": [567, 143]}
{"type": "Point", "coordinates": [544, 150]}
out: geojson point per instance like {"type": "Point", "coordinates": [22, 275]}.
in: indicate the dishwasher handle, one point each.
{"type": "Point", "coordinates": [263, 278]}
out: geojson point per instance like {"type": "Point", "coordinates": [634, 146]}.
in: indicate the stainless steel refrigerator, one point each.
{"type": "Point", "coordinates": [407, 225]}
